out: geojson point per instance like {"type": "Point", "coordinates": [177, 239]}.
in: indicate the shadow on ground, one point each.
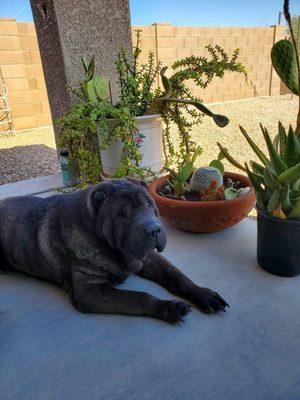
{"type": "Point", "coordinates": [24, 162]}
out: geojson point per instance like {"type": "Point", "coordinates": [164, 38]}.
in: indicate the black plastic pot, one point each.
{"type": "Point", "coordinates": [278, 245]}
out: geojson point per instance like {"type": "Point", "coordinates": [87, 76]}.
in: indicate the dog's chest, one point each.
{"type": "Point", "coordinates": [103, 263]}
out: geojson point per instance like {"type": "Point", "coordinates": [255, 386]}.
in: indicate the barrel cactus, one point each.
{"type": "Point", "coordinates": [203, 177]}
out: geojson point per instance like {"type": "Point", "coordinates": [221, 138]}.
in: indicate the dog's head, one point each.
{"type": "Point", "coordinates": [125, 215]}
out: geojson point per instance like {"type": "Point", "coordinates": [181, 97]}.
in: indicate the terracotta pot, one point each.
{"type": "Point", "coordinates": [204, 216]}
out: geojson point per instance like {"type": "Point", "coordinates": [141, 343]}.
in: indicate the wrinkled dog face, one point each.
{"type": "Point", "coordinates": [126, 216]}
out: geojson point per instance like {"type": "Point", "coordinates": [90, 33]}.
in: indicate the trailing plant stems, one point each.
{"type": "Point", "coordinates": [287, 16]}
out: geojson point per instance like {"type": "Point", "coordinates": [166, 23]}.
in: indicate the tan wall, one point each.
{"type": "Point", "coordinates": [22, 71]}
{"type": "Point", "coordinates": [174, 42]}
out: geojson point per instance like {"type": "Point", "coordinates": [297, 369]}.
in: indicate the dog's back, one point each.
{"type": "Point", "coordinates": [27, 226]}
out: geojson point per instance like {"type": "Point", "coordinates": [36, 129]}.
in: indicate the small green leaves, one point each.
{"type": "Point", "coordinates": [218, 164]}
{"type": "Point", "coordinates": [186, 172]}
{"type": "Point", "coordinates": [231, 193]}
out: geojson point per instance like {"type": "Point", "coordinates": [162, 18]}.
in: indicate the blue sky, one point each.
{"type": "Point", "coordinates": [183, 12]}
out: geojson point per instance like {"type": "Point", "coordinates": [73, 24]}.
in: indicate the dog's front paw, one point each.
{"type": "Point", "coordinates": [208, 301]}
{"type": "Point", "coordinates": [173, 311]}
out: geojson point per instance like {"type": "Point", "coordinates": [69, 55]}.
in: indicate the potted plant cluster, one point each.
{"type": "Point", "coordinates": [202, 200]}
{"type": "Point", "coordinates": [134, 133]}
{"type": "Point", "coordinates": [205, 199]}
{"type": "Point", "coordinates": [276, 178]}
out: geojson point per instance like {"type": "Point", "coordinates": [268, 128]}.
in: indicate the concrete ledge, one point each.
{"type": "Point", "coordinates": [34, 186]}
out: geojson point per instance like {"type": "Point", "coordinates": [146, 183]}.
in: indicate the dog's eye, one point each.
{"type": "Point", "coordinates": [148, 202]}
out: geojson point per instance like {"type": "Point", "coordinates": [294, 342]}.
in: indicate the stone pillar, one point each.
{"type": "Point", "coordinates": [68, 30]}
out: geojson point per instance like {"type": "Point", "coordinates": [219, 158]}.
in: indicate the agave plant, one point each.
{"type": "Point", "coordinates": [276, 179]}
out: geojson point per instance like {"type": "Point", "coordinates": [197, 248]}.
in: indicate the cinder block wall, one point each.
{"type": "Point", "coordinates": [174, 42]}
{"type": "Point", "coordinates": [22, 71]}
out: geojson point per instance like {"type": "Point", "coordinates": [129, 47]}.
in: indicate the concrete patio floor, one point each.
{"type": "Point", "coordinates": [251, 352]}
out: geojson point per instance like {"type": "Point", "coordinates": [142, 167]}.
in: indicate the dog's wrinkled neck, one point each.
{"type": "Point", "coordinates": [132, 264]}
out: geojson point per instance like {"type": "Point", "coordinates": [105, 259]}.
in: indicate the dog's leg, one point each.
{"type": "Point", "coordinates": [92, 297]}
{"type": "Point", "coordinates": [160, 270]}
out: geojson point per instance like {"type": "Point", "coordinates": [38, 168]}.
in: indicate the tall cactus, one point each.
{"type": "Point", "coordinates": [285, 60]}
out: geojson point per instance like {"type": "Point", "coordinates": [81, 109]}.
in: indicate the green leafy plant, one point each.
{"type": "Point", "coordinates": [178, 113]}
{"type": "Point", "coordinates": [217, 163]}
{"type": "Point", "coordinates": [178, 180]}
{"type": "Point", "coordinates": [82, 123]}
{"type": "Point", "coordinates": [138, 97]}
{"type": "Point", "coordinates": [276, 179]}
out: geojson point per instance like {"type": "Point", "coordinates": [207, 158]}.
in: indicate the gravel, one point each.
{"type": "Point", "coordinates": [247, 113]}
{"type": "Point", "coordinates": [32, 153]}
{"type": "Point", "coordinates": [27, 154]}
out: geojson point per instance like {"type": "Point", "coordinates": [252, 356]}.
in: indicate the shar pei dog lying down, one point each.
{"type": "Point", "coordinates": [90, 241]}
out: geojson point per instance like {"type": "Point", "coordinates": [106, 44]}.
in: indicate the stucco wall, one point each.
{"type": "Point", "coordinates": [22, 71]}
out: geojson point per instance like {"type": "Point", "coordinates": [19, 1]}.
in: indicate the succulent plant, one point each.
{"type": "Point", "coordinates": [94, 88]}
{"type": "Point", "coordinates": [178, 179]}
{"type": "Point", "coordinates": [276, 180]}
{"type": "Point", "coordinates": [213, 192]}
{"type": "Point", "coordinates": [285, 60]}
{"type": "Point", "coordinates": [232, 193]}
{"type": "Point", "coordinates": [203, 177]}
{"type": "Point", "coordinates": [160, 103]}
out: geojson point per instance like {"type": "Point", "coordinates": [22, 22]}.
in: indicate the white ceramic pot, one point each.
{"type": "Point", "coordinates": [151, 147]}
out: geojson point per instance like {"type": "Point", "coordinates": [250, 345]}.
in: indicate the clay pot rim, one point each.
{"type": "Point", "coordinates": [158, 183]}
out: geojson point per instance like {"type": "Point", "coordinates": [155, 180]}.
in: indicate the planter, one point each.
{"type": "Point", "coordinates": [278, 249]}
{"type": "Point", "coordinates": [151, 147]}
{"type": "Point", "coordinates": [204, 216]}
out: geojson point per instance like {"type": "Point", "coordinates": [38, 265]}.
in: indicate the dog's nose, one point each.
{"type": "Point", "coordinates": [153, 230]}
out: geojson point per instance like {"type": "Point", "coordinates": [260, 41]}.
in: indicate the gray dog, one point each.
{"type": "Point", "coordinates": [90, 241]}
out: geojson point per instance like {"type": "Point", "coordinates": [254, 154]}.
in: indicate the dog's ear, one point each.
{"type": "Point", "coordinates": [97, 195]}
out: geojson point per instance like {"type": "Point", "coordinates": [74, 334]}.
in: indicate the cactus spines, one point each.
{"type": "Point", "coordinates": [203, 177]}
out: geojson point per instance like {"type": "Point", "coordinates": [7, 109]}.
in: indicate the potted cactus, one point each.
{"type": "Point", "coordinates": [203, 199]}
{"type": "Point", "coordinates": [276, 179]}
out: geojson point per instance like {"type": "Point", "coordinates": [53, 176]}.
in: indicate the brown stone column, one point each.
{"type": "Point", "coordinates": [68, 30]}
